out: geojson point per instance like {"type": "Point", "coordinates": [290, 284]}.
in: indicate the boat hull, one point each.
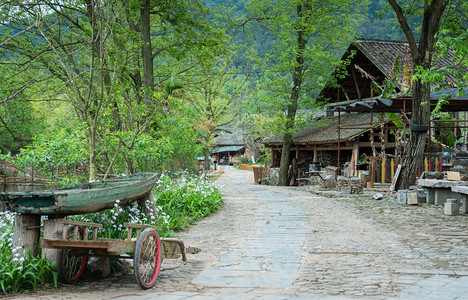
{"type": "Point", "coordinates": [84, 199]}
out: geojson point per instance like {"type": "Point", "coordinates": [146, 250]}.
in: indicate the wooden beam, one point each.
{"type": "Point", "coordinates": [356, 84]}
{"type": "Point", "coordinates": [377, 145]}
{"type": "Point", "coordinates": [354, 157]}
{"type": "Point", "coordinates": [346, 94]}
{"type": "Point", "coordinates": [334, 148]}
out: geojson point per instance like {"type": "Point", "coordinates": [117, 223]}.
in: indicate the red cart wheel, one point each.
{"type": "Point", "coordinates": [147, 258]}
{"type": "Point", "coordinates": [70, 267]}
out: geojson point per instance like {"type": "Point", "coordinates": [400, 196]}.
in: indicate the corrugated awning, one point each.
{"type": "Point", "coordinates": [457, 103]}
{"type": "Point", "coordinates": [227, 149]}
{"type": "Point", "coordinates": [363, 105]}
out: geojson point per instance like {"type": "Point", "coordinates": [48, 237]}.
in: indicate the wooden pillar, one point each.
{"type": "Point", "coordinates": [315, 153]}
{"type": "Point", "coordinates": [26, 234]}
{"type": "Point", "coordinates": [272, 157]}
{"type": "Point", "coordinates": [53, 229]}
{"type": "Point", "coordinates": [339, 142]}
{"type": "Point", "coordinates": [354, 157]}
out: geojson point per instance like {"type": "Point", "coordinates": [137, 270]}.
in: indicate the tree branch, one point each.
{"type": "Point", "coordinates": [406, 29]}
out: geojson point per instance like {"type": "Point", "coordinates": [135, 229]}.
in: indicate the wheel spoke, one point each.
{"type": "Point", "coordinates": [147, 258]}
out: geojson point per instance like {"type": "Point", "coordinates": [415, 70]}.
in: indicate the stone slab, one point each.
{"type": "Point", "coordinates": [439, 183]}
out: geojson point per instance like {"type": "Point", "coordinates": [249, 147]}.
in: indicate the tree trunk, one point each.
{"type": "Point", "coordinates": [414, 151]}
{"type": "Point", "coordinates": [147, 52]}
{"type": "Point", "coordinates": [292, 108]}
{"type": "Point", "coordinates": [421, 54]}
{"type": "Point", "coordinates": [284, 162]}
{"type": "Point", "coordinates": [92, 155]}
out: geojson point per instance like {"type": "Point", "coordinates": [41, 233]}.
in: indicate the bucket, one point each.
{"type": "Point", "coordinates": [370, 185]}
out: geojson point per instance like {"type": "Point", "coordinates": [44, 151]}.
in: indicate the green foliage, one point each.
{"type": "Point", "coordinates": [183, 139]}
{"type": "Point", "coordinates": [21, 272]}
{"type": "Point", "coordinates": [145, 152]}
{"type": "Point", "coordinates": [458, 42]}
{"type": "Point", "coordinates": [293, 71]}
{"type": "Point", "coordinates": [113, 219]}
{"type": "Point", "coordinates": [447, 136]}
{"type": "Point", "coordinates": [180, 201]}
{"type": "Point", "coordinates": [443, 99]}
{"type": "Point", "coordinates": [55, 154]}
{"type": "Point", "coordinates": [18, 125]}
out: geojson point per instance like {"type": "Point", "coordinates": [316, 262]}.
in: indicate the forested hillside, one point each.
{"type": "Point", "coordinates": [379, 22]}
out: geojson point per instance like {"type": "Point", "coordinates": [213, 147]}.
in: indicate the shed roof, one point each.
{"type": "Point", "coordinates": [227, 149]}
{"type": "Point", "coordinates": [323, 130]}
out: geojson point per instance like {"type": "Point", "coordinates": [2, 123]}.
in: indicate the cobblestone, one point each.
{"type": "Point", "coordinates": [270, 242]}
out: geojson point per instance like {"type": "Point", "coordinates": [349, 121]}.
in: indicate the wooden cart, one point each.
{"type": "Point", "coordinates": [80, 241]}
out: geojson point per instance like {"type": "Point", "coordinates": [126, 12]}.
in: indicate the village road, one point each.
{"type": "Point", "coordinates": [270, 242]}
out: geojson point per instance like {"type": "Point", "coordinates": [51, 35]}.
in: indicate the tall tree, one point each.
{"type": "Point", "coordinates": [214, 97]}
{"type": "Point", "coordinates": [109, 56]}
{"type": "Point", "coordinates": [306, 35]}
{"type": "Point", "coordinates": [422, 52]}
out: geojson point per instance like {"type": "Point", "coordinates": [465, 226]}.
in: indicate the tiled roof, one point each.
{"type": "Point", "coordinates": [226, 138]}
{"type": "Point", "coordinates": [377, 58]}
{"type": "Point", "coordinates": [325, 129]}
{"type": "Point", "coordinates": [383, 53]}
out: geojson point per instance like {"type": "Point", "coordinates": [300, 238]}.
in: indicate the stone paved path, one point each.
{"type": "Point", "coordinates": [302, 243]}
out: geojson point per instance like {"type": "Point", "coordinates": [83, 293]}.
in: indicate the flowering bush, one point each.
{"type": "Point", "coordinates": [113, 219]}
{"type": "Point", "coordinates": [186, 198]}
{"type": "Point", "coordinates": [20, 271]}
{"type": "Point", "coordinates": [181, 199]}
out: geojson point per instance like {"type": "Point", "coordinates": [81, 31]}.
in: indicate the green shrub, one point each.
{"type": "Point", "coordinates": [20, 272]}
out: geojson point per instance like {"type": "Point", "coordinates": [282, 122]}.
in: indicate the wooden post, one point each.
{"type": "Point", "coordinates": [339, 141]}
{"type": "Point", "coordinates": [315, 153]}
{"type": "Point", "coordinates": [354, 156]}
{"type": "Point", "coordinates": [53, 229]}
{"type": "Point", "coordinates": [26, 234]}
{"type": "Point", "coordinates": [392, 168]}
{"type": "Point", "coordinates": [272, 157]}
{"type": "Point", "coordinates": [382, 179]}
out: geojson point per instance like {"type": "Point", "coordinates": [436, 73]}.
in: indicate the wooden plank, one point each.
{"type": "Point", "coordinates": [141, 226]}
{"type": "Point", "coordinates": [395, 178]}
{"type": "Point", "coordinates": [455, 176]}
{"type": "Point", "coordinates": [78, 223]}
{"type": "Point", "coordinates": [170, 250]}
{"type": "Point", "coordinates": [72, 244]}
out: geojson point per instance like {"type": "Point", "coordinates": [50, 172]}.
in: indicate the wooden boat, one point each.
{"type": "Point", "coordinates": [87, 198]}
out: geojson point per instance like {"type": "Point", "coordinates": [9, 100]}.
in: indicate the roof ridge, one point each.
{"type": "Point", "coordinates": [381, 40]}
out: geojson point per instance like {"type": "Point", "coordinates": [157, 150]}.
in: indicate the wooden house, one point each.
{"type": "Point", "coordinates": [353, 129]}
{"type": "Point", "coordinates": [229, 147]}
